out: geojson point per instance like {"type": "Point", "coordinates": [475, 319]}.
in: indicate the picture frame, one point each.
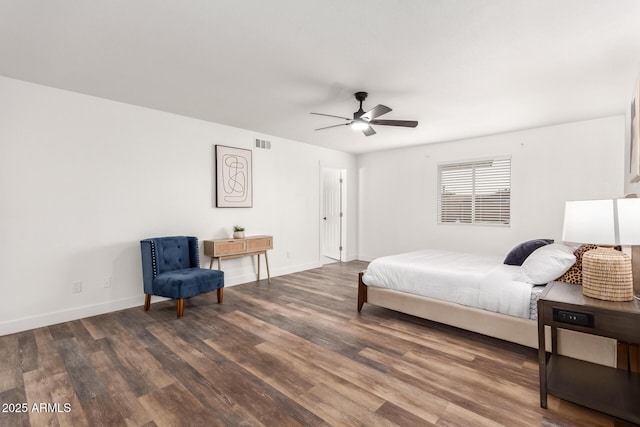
{"type": "Point", "coordinates": [234, 177]}
{"type": "Point", "coordinates": [634, 146]}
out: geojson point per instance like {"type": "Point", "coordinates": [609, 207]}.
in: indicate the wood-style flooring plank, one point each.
{"type": "Point", "coordinates": [402, 394]}
{"type": "Point", "coordinates": [438, 376]}
{"type": "Point", "coordinates": [293, 352]}
{"type": "Point", "coordinates": [338, 409]}
{"type": "Point", "coordinates": [37, 385]}
{"type": "Point", "coordinates": [124, 397]}
{"type": "Point", "coordinates": [174, 405]}
{"type": "Point", "coordinates": [10, 416]}
{"type": "Point", "coordinates": [235, 385]}
{"type": "Point", "coordinates": [10, 363]}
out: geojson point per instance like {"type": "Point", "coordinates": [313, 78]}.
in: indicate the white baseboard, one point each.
{"type": "Point", "coordinates": [75, 313]}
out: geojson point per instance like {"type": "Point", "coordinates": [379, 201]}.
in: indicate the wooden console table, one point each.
{"type": "Point", "coordinates": [613, 391]}
{"type": "Point", "coordinates": [235, 248]}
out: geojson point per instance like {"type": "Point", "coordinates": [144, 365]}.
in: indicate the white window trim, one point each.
{"type": "Point", "coordinates": [470, 186]}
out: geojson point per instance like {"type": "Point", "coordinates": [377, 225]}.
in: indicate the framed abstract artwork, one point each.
{"type": "Point", "coordinates": [234, 177]}
{"type": "Point", "coordinates": [634, 155]}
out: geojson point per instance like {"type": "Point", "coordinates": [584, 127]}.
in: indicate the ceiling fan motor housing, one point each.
{"type": "Point", "coordinates": [361, 96]}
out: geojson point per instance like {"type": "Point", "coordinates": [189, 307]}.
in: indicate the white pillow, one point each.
{"type": "Point", "coordinates": [547, 263]}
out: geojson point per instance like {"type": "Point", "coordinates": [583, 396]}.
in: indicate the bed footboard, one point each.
{"type": "Point", "coordinates": [362, 291]}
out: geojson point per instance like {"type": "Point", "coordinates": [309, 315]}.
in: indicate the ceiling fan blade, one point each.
{"type": "Point", "coordinates": [369, 131]}
{"type": "Point", "coordinates": [334, 126]}
{"type": "Point", "coordinates": [331, 115]}
{"type": "Point", "coordinates": [405, 123]}
{"type": "Point", "coordinates": [376, 111]}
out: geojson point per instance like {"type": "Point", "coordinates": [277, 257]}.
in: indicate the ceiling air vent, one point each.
{"type": "Point", "coordinates": [261, 143]}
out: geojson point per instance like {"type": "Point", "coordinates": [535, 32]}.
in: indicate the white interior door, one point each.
{"type": "Point", "coordinates": [332, 215]}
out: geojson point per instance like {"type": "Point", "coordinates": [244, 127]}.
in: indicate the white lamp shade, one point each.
{"type": "Point", "coordinates": [629, 221]}
{"type": "Point", "coordinates": [602, 222]}
{"type": "Point", "coordinates": [589, 221]}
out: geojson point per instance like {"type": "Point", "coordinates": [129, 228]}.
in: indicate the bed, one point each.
{"type": "Point", "coordinates": [490, 295]}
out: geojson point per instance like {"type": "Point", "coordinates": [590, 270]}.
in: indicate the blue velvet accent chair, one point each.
{"type": "Point", "coordinates": [171, 269]}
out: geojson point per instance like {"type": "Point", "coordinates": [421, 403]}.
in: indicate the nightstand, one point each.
{"type": "Point", "coordinates": [605, 389]}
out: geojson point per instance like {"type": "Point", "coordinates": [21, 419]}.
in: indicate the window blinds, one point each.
{"type": "Point", "coordinates": [476, 192]}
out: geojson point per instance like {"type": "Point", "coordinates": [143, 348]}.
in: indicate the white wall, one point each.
{"type": "Point", "coordinates": [398, 190]}
{"type": "Point", "coordinates": [83, 179]}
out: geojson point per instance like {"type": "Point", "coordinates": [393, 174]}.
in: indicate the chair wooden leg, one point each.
{"type": "Point", "coordinates": [180, 307]}
{"type": "Point", "coordinates": [147, 302]}
{"type": "Point", "coordinates": [220, 295]}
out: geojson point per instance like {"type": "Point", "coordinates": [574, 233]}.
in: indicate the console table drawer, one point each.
{"type": "Point", "coordinates": [259, 243]}
{"type": "Point", "coordinates": [228, 247]}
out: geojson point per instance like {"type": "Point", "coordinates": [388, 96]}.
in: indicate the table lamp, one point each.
{"type": "Point", "coordinates": [606, 272]}
{"type": "Point", "coordinates": [629, 218]}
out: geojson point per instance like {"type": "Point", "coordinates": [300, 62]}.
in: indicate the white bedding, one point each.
{"type": "Point", "coordinates": [473, 280]}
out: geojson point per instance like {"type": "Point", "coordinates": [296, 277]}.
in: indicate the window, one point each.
{"type": "Point", "coordinates": [476, 192]}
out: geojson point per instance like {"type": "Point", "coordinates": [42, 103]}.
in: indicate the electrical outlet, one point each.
{"type": "Point", "coordinates": [106, 282]}
{"type": "Point", "coordinates": [76, 287]}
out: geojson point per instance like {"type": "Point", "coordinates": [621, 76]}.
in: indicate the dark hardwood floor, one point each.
{"type": "Point", "coordinates": [294, 352]}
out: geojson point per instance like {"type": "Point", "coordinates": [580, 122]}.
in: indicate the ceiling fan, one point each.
{"type": "Point", "coordinates": [363, 120]}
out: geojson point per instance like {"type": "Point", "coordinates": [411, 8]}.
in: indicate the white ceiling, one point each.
{"type": "Point", "coordinates": [462, 68]}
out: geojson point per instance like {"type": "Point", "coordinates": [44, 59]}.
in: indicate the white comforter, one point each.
{"type": "Point", "coordinates": [473, 280]}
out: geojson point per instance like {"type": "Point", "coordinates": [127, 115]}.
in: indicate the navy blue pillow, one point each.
{"type": "Point", "coordinates": [517, 255]}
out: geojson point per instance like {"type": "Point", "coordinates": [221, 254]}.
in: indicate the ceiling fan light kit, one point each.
{"type": "Point", "coordinates": [359, 124]}
{"type": "Point", "coordinates": [363, 120]}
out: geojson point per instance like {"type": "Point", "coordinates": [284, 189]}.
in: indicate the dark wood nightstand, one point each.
{"type": "Point", "coordinates": [609, 390]}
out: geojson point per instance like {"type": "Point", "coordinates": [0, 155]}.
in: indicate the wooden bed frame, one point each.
{"type": "Point", "coordinates": [509, 328]}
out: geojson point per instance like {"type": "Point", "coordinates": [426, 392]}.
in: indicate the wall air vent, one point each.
{"type": "Point", "coordinates": [261, 143]}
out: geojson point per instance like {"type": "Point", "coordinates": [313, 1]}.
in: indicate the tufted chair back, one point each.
{"type": "Point", "coordinates": [164, 254]}
{"type": "Point", "coordinates": [172, 253]}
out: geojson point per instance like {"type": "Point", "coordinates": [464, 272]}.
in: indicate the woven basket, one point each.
{"type": "Point", "coordinates": [606, 275]}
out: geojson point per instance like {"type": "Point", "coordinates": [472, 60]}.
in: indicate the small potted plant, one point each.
{"type": "Point", "coordinates": [238, 232]}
